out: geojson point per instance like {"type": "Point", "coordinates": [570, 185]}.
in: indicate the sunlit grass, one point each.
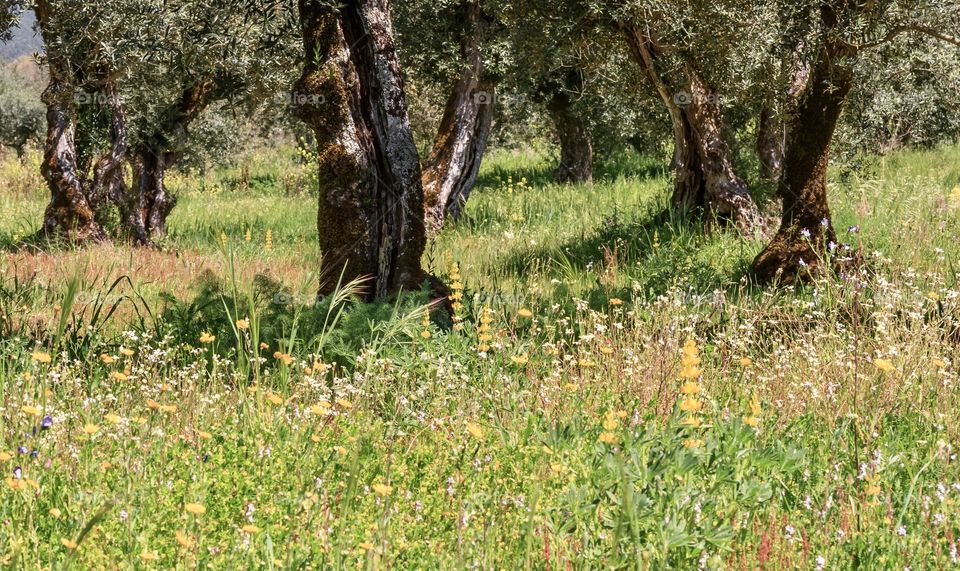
{"type": "Point", "coordinates": [619, 394]}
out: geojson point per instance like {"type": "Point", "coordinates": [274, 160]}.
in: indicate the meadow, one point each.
{"type": "Point", "coordinates": [612, 390]}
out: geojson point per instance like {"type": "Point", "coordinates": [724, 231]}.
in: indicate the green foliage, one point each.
{"type": "Point", "coordinates": [22, 118]}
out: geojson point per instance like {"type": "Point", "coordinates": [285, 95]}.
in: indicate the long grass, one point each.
{"type": "Point", "coordinates": [613, 392]}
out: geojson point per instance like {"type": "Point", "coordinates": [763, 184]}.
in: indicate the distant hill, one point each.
{"type": "Point", "coordinates": [24, 40]}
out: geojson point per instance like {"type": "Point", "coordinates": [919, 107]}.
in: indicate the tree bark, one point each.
{"type": "Point", "coordinates": [806, 230]}
{"type": "Point", "coordinates": [146, 204]}
{"type": "Point", "coordinates": [769, 145]}
{"type": "Point", "coordinates": [576, 145]}
{"type": "Point", "coordinates": [371, 215]}
{"type": "Point", "coordinates": [705, 182]}
{"type": "Point", "coordinates": [451, 170]}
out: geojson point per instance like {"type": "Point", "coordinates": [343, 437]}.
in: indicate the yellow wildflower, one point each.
{"type": "Point", "coordinates": [113, 418]}
{"type": "Point", "coordinates": [195, 509]}
{"type": "Point", "coordinates": [690, 388]}
{"type": "Point", "coordinates": [148, 555]}
{"type": "Point", "coordinates": [118, 376]}
{"type": "Point", "coordinates": [184, 539]}
{"type": "Point", "coordinates": [690, 405]}
{"type": "Point", "coordinates": [524, 312]}
{"type": "Point", "coordinates": [207, 338]}
{"type": "Point", "coordinates": [204, 435]}
{"type": "Point", "coordinates": [68, 544]}
{"type": "Point", "coordinates": [243, 324]}
{"type": "Point", "coordinates": [126, 352]}
{"type": "Point", "coordinates": [31, 410]}
{"type": "Point", "coordinates": [884, 365]}
{"type": "Point", "coordinates": [250, 528]}
{"type": "Point", "coordinates": [520, 359]}
{"type": "Point", "coordinates": [55, 513]}
{"type": "Point", "coordinates": [382, 489]}
{"type": "Point", "coordinates": [40, 357]}
{"type": "Point", "coordinates": [90, 428]}
{"type": "Point", "coordinates": [475, 430]}
{"type": "Point", "coordinates": [107, 359]}
{"type": "Point", "coordinates": [344, 403]}
{"type": "Point", "coordinates": [4, 456]}
{"type": "Point", "coordinates": [608, 438]}
{"type": "Point", "coordinates": [692, 443]}
{"type": "Point", "coordinates": [274, 399]}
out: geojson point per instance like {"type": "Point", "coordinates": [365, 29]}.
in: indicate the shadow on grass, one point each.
{"type": "Point", "coordinates": [655, 252]}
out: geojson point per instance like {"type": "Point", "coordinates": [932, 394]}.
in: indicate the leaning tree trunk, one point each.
{"type": "Point", "coordinates": [769, 145]}
{"type": "Point", "coordinates": [451, 170]}
{"type": "Point", "coordinates": [576, 146]}
{"type": "Point", "coordinates": [704, 178]}
{"type": "Point", "coordinates": [371, 216]}
{"type": "Point", "coordinates": [806, 230]}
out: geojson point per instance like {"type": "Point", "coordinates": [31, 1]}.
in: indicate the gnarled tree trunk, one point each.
{"type": "Point", "coordinates": [806, 230]}
{"type": "Point", "coordinates": [371, 215]}
{"type": "Point", "coordinates": [450, 171]}
{"type": "Point", "coordinates": [704, 179]}
{"type": "Point", "coordinates": [146, 205]}
{"type": "Point", "coordinates": [576, 145]}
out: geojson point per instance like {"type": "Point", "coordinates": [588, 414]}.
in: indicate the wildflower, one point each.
{"type": "Point", "coordinates": [366, 546]}
{"type": "Point", "coordinates": [4, 456]}
{"type": "Point", "coordinates": [692, 421]}
{"type": "Point", "coordinates": [68, 544]}
{"type": "Point", "coordinates": [751, 421]}
{"type": "Point", "coordinates": [204, 435]}
{"type": "Point", "coordinates": [425, 322]}
{"type": "Point", "coordinates": [106, 359]}
{"type": "Point", "coordinates": [606, 350]}
{"type": "Point", "coordinates": [243, 324]}
{"type": "Point", "coordinates": [690, 388]}
{"type": "Point", "coordinates": [284, 357]}
{"type": "Point", "coordinates": [475, 430]}
{"type": "Point", "coordinates": [692, 443]}
{"type": "Point", "coordinates": [616, 301]}
{"type": "Point", "coordinates": [805, 233]}
{"type": "Point", "coordinates": [148, 555]}
{"type": "Point", "coordinates": [746, 362]}
{"type": "Point", "coordinates": [90, 429]}
{"type": "Point", "coordinates": [118, 376]}
{"type": "Point", "coordinates": [344, 403]}
{"type": "Point", "coordinates": [691, 405]}
{"type": "Point", "coordinates": [195, 509]}
{"type": "Point", "coordinates": [608, 438]}
{"type": "Point", "coordinates": [55, 513]}
{"type": "Point", "coordinates": [250, 528]}
{"type": "Point", "coordinates": [524, 312]}
{"type": "Point", "coordinates": [248, 235]}
{"type": "Point", "coordinates": [46, 423]}
{"type": "Point", "coordinates": [113, 418]}
{"type": "Point", "coordinates": [183, 539]}
{"type": "Point", "coordinates": [571, 387]}
{"type": "Point", "coordinates": [884, 365]}
{"type": "Point", "coordinates": [382, 489]}
{"type": "Point", "coordinates": [520, 359]}
{"type": "Point", "coordinates": [274, 399]}
{"type": "Point", "coordinates": [610, 421]}
{"type": "Point", "coordinates": [264, 346]}
{"type": "Point", "coordinates": [31, 410]}
{"type": "Point", "coordinates": [40, 357]}
{"type": "Point", "coordinates": [126, 352]}
{"type": "Point", "coordinates": [873, 490]}
{"type": "Point", "coordinates": [268, 240]}
{"type": "Point", "coordinates": [207, 338]}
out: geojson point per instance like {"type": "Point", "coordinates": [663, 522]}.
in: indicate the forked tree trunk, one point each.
{"type": "Point", "coordinates": [770, 140]}
{"type": "Point", "coordinates": [576, 145]}
{"type": "Point", "coordinates": [451, 170]}
{"type": "Point", "coordinates": [806, 229]}
{"type": "Point", "coordinates": [146, 204]}
{"type": "Point", "coordinates": [371, 215]}
{"type": "Point", "coordinates": [705, 182]}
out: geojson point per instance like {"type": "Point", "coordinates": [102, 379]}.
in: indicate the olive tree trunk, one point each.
{"type": "Point", "coordinates": [371, 215]}
{"type": "Point", "coordinates": [576, 145]}
{"type": "Point", "coordinates": [146, 204]}
{"type": "Point", "coordinates": [705, 182]}
{"type": "Point", "coordinates": [806, 229]}
{"type": "Point", "coordinates": [451, 170]}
